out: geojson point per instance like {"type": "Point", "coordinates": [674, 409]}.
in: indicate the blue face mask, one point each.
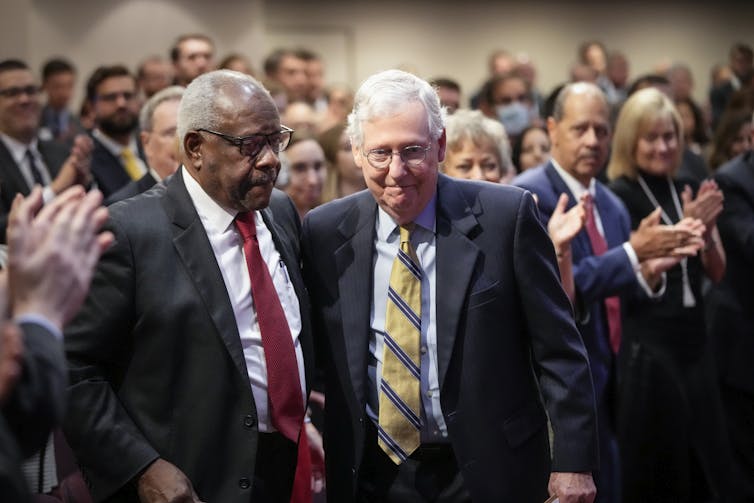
{"type": "Point", "coordinates": [514, 117]}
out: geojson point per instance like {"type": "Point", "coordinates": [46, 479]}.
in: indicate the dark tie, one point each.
{"type": "Point", "coordinates": [400, 395]}
{"type": "Point", "coordinates": [283, 384]}
{"type": "Point", "coordinates": [34, 168]}
{"type": "Point", "coordinates": [599, 247]}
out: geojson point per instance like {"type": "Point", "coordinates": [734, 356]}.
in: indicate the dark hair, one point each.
{"type": "Point", "coordinates": [306, 55]}
{"type": "Point", "coordinates": [272, 62]}
{"type": "Point", "coordinates": [445, 82]}
{"type": "Point", "coordinates": [742, 49]}
{"type": "Point", "coordinates": [175, 51]}
{"type": "Point", "coordinates": [56, 66]}
{"type": "Point", "coordinates": [727, 130]}
{"type": "Point", "coordinates": [491, 85]}
{"type": "Point", "coordinates": [584, 49]}
{"type": "Point", "coordinates": [647, 80]}
{"type": "Point", "coordinates": [12, 64]}
{"type": "Point", "coordinates": [699, 134]}
{"type": "Point", "coordinates": [103, 73]}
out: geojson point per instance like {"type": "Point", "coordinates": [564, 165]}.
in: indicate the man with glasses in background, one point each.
{"type": "Point", "coordinates": [440, 317]}
{"type": "Point", "coordinates": [190, 361]}
{"type": "Point", "coordinates": [118, 157]}
{"type": "Point", "coordinates": [25, 160]}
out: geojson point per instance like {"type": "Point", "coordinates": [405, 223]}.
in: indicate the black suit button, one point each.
{"type": "Point", "coordinates": [248, 421]}
{"type": "Point", "coordinates": [244, 483]}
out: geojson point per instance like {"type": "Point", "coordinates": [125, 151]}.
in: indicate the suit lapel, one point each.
{"type": "Point", "coordinates": [194, 250]}
{"type": "Point", "coordinates": [353, 260]}
{"type": "Point", "coordinates": [456, 258]}
{"type": "Point", "coordinates": [12, 176]}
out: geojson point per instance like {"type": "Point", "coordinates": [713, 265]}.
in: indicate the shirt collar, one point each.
{"type": "Point", "coordinates": [114, 147]}
{"type": "Point", "coordinates": [214, 217]}
{"type": "Point", "coordinates": [426, 220]}
{"type": "Point", "coordinates": [575, 186]}
{"type": "Point", "coordinates": [17, 149]}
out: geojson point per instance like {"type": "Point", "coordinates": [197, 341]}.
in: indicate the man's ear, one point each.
{"type": "Point", "coordinates": [441, 142]}
{"type": "Point", "coordinates": [192, 144]}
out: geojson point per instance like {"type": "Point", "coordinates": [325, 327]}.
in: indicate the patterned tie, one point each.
{"type": "Point", "coordinates": [599, 247]}
{"type": "Point", "coordinates": [36, 174]}
{"type": "Point", "coordinates": [130, 163]}
{"type": "Point", "coordinates": [283, 384]}
{"type": "Point", "coordinates": [400, 396]}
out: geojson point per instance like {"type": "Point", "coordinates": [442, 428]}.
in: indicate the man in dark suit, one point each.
{"type": "Point", "coordinates": [741, 63]}
{"type": "Point", "coordinates": [118, 156]}
{"type": "Point", "coordinates": [51, 255]}
{"type": "Point", "coordinates": [580, 134]}
{"type": "Point", "coordinates": [177, 389]}
{"type": "Point", "coordinates": [25, 160]}
{"type": "Point", "coordinates": [731, 318]}
{"type": "Point", "coordinates": [490, 318]}
{"type": "Point", "coordinates": [57, 121]}
{"type": "Point", "coordinates": [157, 122]}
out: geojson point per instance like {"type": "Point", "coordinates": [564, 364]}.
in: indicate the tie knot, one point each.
{"type": "Point", "coordinates": [246, 225]}
{"type": "Point", "coordinates": [406, 230]}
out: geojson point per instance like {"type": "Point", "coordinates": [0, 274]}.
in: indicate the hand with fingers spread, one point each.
{"type": "Point", "coordinates": [562, 228]}
{"type": "Point", "coordinates": [706, 206]}
{"type": "Point", "coordinates": [652, 239]}
{"type": "Point", "coordinates": [52, 251]}
{"type": "Point", "coordinates": [76, 168]}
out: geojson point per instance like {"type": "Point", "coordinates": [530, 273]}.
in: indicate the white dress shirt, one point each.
{"type": "Point", "coordinates": [18, 152]}
{"type": "Point", "coordinates": [227, 246]}
{"type": "Point", "coordinates": [116, 149]}
{"type": "Point", "coordinates": [387, 244]}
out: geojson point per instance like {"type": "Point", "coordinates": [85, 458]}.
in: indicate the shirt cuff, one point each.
{"type": "Point", "coordinates": [47, 194]}
{"type": "Point", "coordinates": [38, 319]}
{"type": "Point", "coordinates": [634, 259]}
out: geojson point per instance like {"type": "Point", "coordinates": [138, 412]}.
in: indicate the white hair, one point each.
{"type": "Point", "coordinates": [473, 125]}
{"type": "Point", "coordinates": [146, 116]}
{"type": "Point", "coordinates": [206, 98]}
{"type": "Point", "coordinates": [386, 93]}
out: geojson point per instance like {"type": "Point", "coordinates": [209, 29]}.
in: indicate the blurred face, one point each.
{"type": "Point", "coordinates": [681, 84]}
{"type": "Point", "coordinates": [580, 139]}
{"type": "Point", "coordinates": [235, 181]}
{"type": "Point", "coordinates": [196, 57]}
{"type": "Point", "coordinates": [657, 147]}
{"type": "Point", "coordinates": [307, 174]}
{"type": "Point", "coordinates": [511, 90]}
{"type": "Point", "coordinates": [535, 149]}
{"type": "Point", "coordinates": [156, 75]}
{"type": "Point", "coordinates": [595, 57]}
{"type": "Point", "coordinates": [59, 89]}
{"type": "Point", "coordinates": [347, 167]}
{"type": "Point", "coordinates": [19, 105]}
{"type": "Point", "coordinates": [474, 162]}
{"type": "Point", "coordinates": [687, 118]}
{"type": "Point", "coordinates": [292, 76]}
{"type": "Point", "coordinates": [300, 116]}
{"type": "Point", "coordinates": [450, 98]}
{"type": "Point", "coordinates": [400, 190]}
{"type": "Point", "coordinates": [742, 142]}
{"type": "Point", "coordinates": [160, 144]}
{"type": "Point", "coordinates": [315, 74]}
{"type": "Point", "coordinates": [116, 108]}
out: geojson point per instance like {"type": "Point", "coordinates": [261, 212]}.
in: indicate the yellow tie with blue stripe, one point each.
{"type": "Point", "coordinates": [400, 396]}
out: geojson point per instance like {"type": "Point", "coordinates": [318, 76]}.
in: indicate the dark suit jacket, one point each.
{"type": "Point", "coordinates": [133, 188]}
{"type": "Point", "coordinates": [156, 363]}
{"type": "Point", "coordinates": [595, 279]}
{"type": "Point", "coordinates": [732, 301]}
{"type": "Point", "coordinates": [12, 181]}
{"type": "Point", "coordinates": [107, 169]}
{"type": "Point", "coordinates": [502, 319]}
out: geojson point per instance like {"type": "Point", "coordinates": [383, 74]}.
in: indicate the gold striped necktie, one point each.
{"type": "Point", "coordinates": [130, 164]}
{"type": "Point", "coordinates": [400, 396]}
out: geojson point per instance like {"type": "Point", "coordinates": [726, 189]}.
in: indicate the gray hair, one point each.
{"type": "Point", "coordinates": [569, 89]}
{"type": "Point", "coordinates": [386, 93]}
{"type": "Point", "coordinates": [473, 125]}
{"type": "Point", "coordinates": [206, 97]}
{"type": "Point", "coordinates": [146, 116]}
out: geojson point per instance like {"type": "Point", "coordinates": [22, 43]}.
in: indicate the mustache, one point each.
{"type": "Point", "coordinates": [264, 177]}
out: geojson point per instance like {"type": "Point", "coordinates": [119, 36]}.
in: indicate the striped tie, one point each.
{"type": "Point", "coordinates": [400, 399]}
{"type": "Point", "coordinates": [130, 164]}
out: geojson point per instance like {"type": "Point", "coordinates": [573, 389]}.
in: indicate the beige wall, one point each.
{"type": "Point", "coordinates": [358, 38]}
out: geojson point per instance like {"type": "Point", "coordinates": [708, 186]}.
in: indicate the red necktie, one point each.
{"type": "Point", "coordinates": [599, 247]}
{"type": "Point", "coordinates": [283, 384]}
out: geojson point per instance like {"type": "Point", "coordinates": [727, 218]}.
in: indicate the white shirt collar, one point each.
{"type": "Point", "coordinates": [575, 186]}
{"type": "Point", "coordinates": [114, 147]}
{"type": "Point", "coordinates": [214, 217]}
{"type": "Point", "coordinates": [426, 219]}
{"type": "Point", "coordinates": [17, 149]}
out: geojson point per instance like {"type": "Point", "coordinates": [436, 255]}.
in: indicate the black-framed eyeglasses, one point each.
{"type": "Point", "coordinates": [251, 145]}
{"type": "Point", "coordinates": [15, 92]}
{"type": "Point", "coordinates": [413, 156]}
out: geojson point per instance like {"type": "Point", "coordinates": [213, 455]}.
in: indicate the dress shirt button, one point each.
{"type": "Point", "coordinates": [429, 393]}
{"type": "Point", "coordinates": [248, 421]}
{"type": "Point", "coordinates": [244, 483]}
{"type": "Point", "coordinates": [424, 350]}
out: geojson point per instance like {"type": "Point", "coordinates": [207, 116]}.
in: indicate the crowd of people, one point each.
{"type": "Point", "coordinates": [610, 299]}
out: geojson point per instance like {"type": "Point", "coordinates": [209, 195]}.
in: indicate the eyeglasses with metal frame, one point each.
{"type": "Point", "coordinates": [413, 156]}
{"type": "Point", "coordinates": [252, 145]}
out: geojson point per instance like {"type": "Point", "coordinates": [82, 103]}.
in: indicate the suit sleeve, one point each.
{"type": "Point", "coordinates": [559, 356]}
{"type": "Point", "coordinates": [735, 223]}
{"type": "Point", "coordinates": [37, 402]}
{"type": "Point", "coordinates": [97, 345]}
